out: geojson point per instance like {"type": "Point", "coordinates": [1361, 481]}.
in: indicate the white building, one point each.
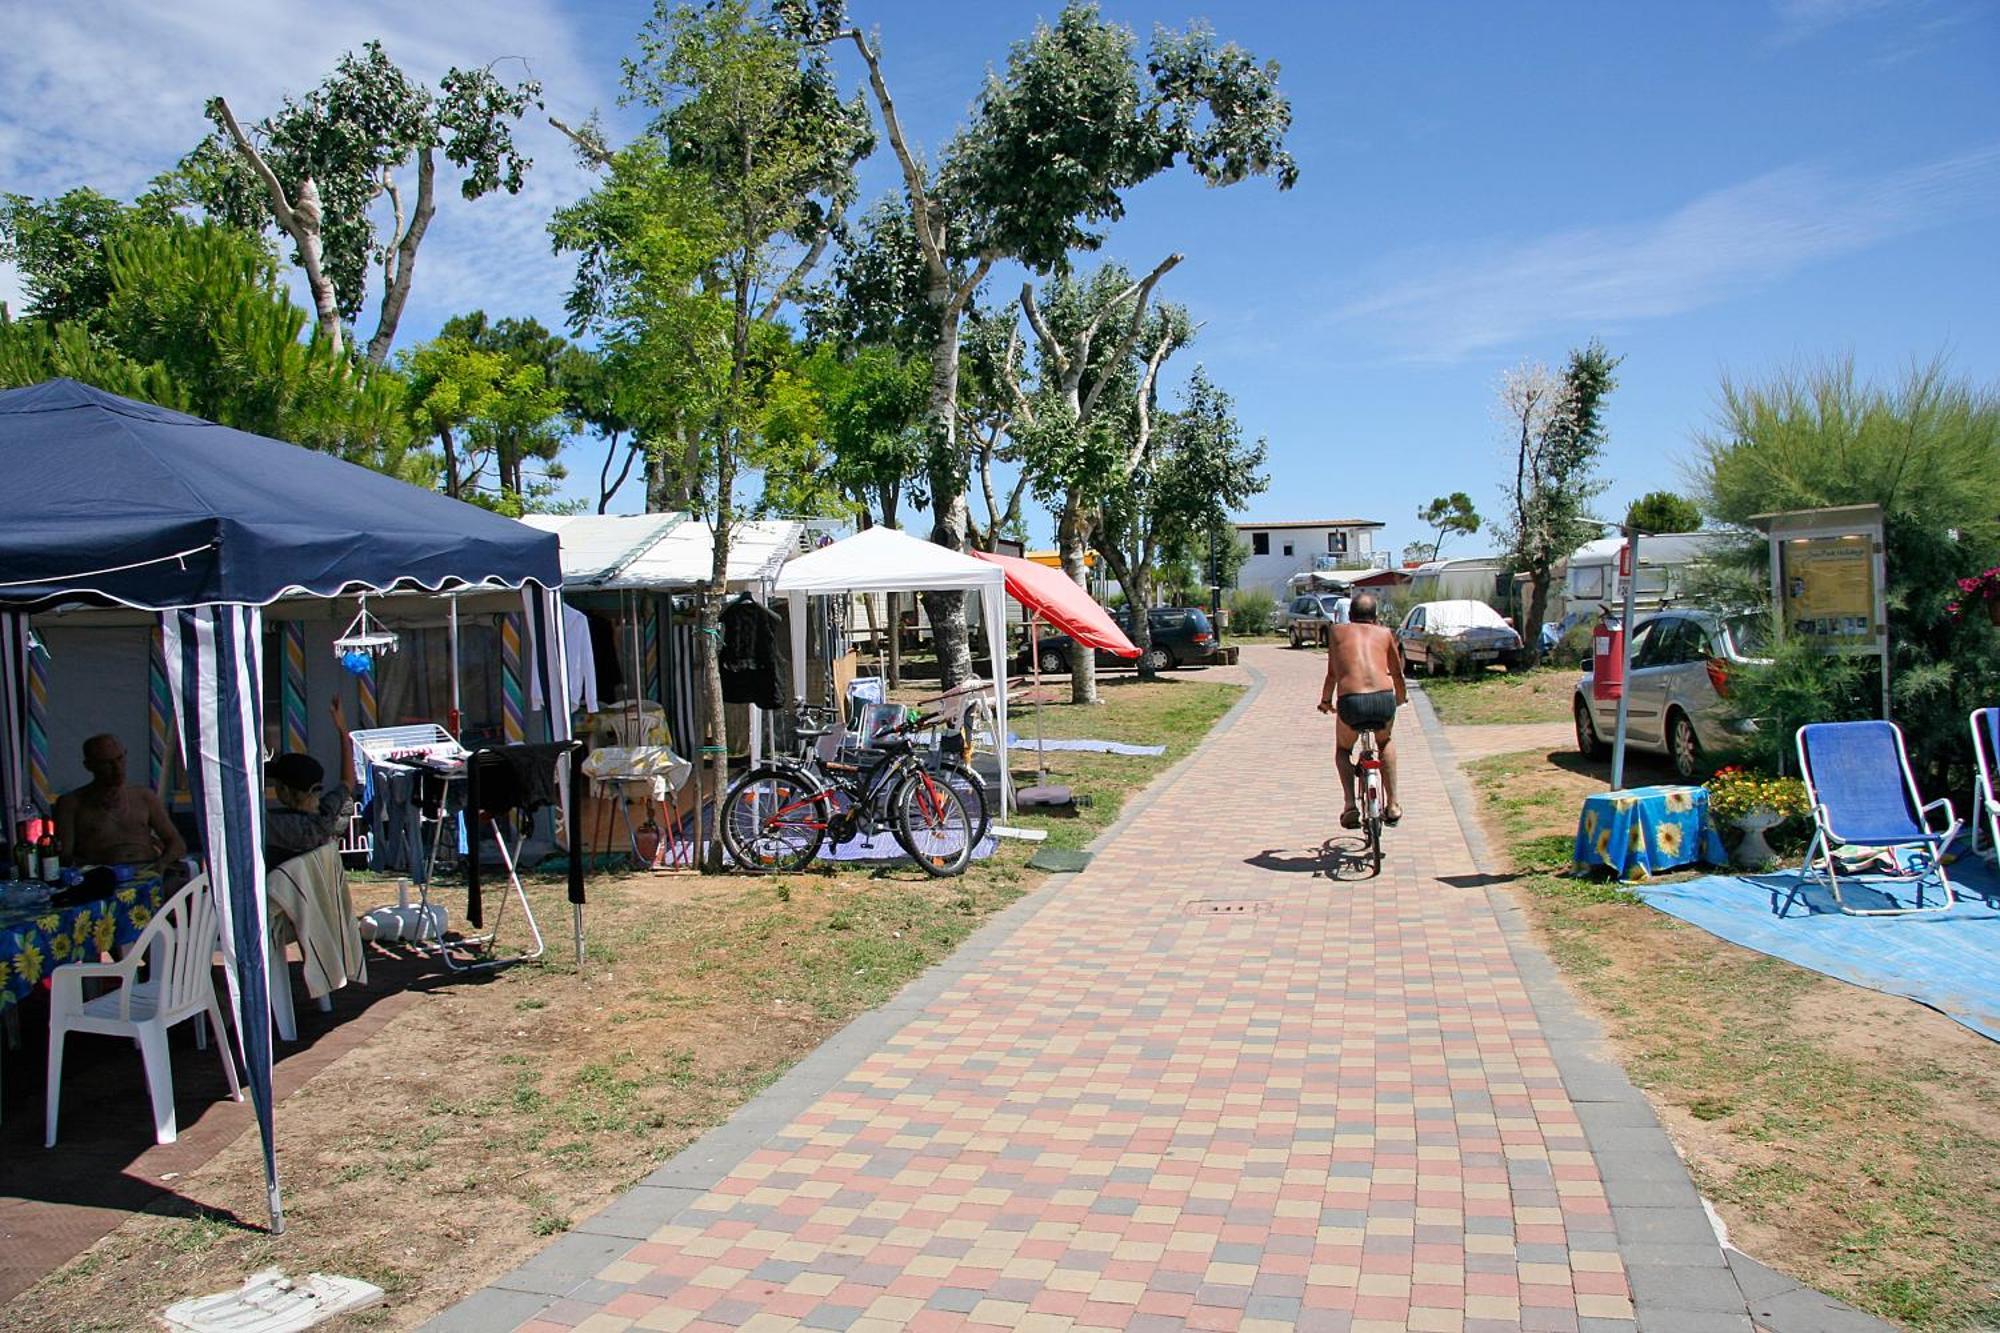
{"type": "Point", "coordinates": [1280, 550]}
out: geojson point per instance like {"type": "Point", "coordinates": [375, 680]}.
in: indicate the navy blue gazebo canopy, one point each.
{"type": "Point", "coordinates": [124, 503]}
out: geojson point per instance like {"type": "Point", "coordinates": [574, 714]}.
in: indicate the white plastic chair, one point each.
{"type": "Point", "coordinates": [178, 950]}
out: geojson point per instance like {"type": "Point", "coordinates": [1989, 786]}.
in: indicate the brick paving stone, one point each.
{"type": "Point", "coordinates": [1339, 1112]}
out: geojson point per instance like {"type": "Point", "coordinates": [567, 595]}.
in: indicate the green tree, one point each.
{"type": "Point", "coordinates": [1055, 144]}
{"type": "Point", "coordinates": [1085, 427]}
{"type": "Point", "coordinates": [1926, 449]}
{"type": "Point", "coordinates": [1187, 476]}
{"type": "Point", "coordinates": [195, 318]}
{"type": "Point", "coordinates": [1558, 425]}
{"type": "Point", "coordinates": [1663, 511]}
{"type": "Point", "coordinates": [59, 247]}
{"type": "Point", "coordinates": [486, 402]}
{"type": "Point", "coordinates": [317, 167]}
{"type": "Point", "coordinates": [750, 139]}
{"type": "Point", "coordinates": [1448, 514]}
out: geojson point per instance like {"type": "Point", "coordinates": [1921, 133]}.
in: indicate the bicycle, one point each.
{"type": "Point", "coordinates": [776, 817]}
{"type": "Point", "coordinates": [1367, 757]}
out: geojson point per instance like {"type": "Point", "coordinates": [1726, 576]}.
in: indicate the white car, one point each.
{"type": "Point", "coordinates": [1676, 688]}
{"type": "Point", "coordinates": [1455, 636]}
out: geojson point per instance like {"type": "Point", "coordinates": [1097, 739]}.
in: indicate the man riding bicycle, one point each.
{"type": "Point", "coordinates": [1364, 674]}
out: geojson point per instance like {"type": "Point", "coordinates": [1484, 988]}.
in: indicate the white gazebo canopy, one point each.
{"type": "Point", "coordinates": [888, 560]}
{"type": "Point", "coordinates": [663, 552]}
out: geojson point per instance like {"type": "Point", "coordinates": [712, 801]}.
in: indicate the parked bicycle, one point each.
{"type": "Point", "coordinates": [776, 817]}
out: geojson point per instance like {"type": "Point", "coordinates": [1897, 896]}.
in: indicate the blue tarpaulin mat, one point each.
{"type": "Point", "coordinates": [1015, 742]}
{"type": "Point", "coordinates": [1947, 960]}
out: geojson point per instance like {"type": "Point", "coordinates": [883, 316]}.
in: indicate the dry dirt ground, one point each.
{"type": "Point", "coordinates": [497, 1111]}
{"type": "Point", "coordinates": [1846, 1137]}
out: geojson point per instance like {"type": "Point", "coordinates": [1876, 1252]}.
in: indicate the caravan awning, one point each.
{"type": "Point", "coordinates": [663, 552]}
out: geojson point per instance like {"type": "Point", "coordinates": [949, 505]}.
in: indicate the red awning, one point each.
{"type": "Point", "coordinates": [1051, 594]}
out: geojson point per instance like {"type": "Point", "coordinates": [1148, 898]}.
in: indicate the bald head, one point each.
{"type": "Point", "coordinates": [1363, 609]}
{"type": "Point", "coordinates": [104, 760]}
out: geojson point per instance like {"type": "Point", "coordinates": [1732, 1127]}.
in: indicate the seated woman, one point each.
{"type": "Point", "coordinates": [308, 813]}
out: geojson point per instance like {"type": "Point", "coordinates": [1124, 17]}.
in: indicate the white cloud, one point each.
{"type": "Point", "coordinates": [1718, 246]}
{"type": "Point", "coordinates": [108, 93]}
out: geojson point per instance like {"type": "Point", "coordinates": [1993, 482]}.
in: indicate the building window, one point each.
{"type": "Point", "coordinates": [1288, 548]}
{"type": "Point", "coordinates": [1260, 543]}
{"type": "Point", "coordinates": [1336, 543]}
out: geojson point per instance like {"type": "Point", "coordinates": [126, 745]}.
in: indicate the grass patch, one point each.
{"type": "Point", "coordinates": [500, 1108]}
{"type": "Point", "coordinates": [1491, 696]}
{"type": "Point", "coordinates": [1844, 1136]}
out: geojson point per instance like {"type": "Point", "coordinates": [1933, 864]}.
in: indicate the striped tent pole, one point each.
{"type": "Point", "coordinates": [159, 717]}
{"type": "Point", "coordinates": [13, 715]}
{"type": "Point", "coordinates": [292, 690]}
{"type": "Point", "coordinates": [513, 728]}
{"type": "Point", "coordinates": [39, 783]}
{"type": "Point", "coordinates": [215, 672]}
{"type": "Point", "coordinates": [651, 650]}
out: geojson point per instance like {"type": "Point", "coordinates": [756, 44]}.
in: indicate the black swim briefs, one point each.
{"type": "Point", "coordinates": [1368, 712]}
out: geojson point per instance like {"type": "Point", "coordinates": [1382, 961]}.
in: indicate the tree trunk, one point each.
{"type": "Point", "coordinates": [1538, 610]}
{"type": "Point", "coordinates": [715, 724]}
{"type": "Point", "coordinates": [1072, 538]}
{"type": "Point", "coordinates": [895, 605]}
{"type": "Point", "coordinates": [949, 511]}
{"type": "Point", "coordinates": [396, 287]}
{"type": "Point", "coordinates": [1139, 596]}
{"type": "Point", "coordinates": [451, 483]}
{"type": "Point", "coordinates": [1136, 577]}
{"type": "Point", "coordinates": [299, 219]}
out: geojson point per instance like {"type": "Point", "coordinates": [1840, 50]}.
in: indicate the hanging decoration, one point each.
{"type": "Point", "coordinates": [364, 640]}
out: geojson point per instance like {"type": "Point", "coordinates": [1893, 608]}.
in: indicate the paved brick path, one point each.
{"type": "Point", "coordinates": [1329, 1104]}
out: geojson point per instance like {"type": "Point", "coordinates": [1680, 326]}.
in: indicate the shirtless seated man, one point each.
{"type": "Point", "coordinates": [106, 822]}
{"type": "Point", "coordinates": [1364, 683]}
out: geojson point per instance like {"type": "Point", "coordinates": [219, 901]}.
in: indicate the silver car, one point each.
{"type": "Point", "coordinates": [1310, 618]}
{"type": "Point", "coordinates": [1676, 687]}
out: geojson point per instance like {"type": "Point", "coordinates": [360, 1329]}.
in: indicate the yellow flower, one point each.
{"type": "Point", "coordinates": [1604, 845]}
{"type": "Point", "coordinates": [1670, 839]}
{"type": "Point", "coordinates": [81, 931]}
{"type": "Point", "coordinates": [1637, 841]}
{"type": "Point", "coordinates": [128, 896]}
{"type": "Point", "coordinates": [5, 968]}
{"type": "Point", "coordinates": [49, 924]}
{"type": "Point", "coordinates": [140, 916]}
{"type": "Point", "coordinates": [1680, 800]}
{"type": "Point", "coordinates": [1623, 803]}
{"type": "Point", "coordinates": [28, 965]}
{"type": "Point", "coordinates": [1589, 825]}
{"type": "Point", "coordinates": [106, 932]}
{"type": "Point", "coordinates": [59, 946]}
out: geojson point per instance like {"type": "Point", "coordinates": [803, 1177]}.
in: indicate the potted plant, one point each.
{"type": "Point", "coordinates": [1755, 804]}
{"type": "Point", "coordinates": [1982, 589]}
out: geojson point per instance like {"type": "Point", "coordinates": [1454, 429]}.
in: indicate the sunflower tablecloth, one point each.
{"type": "Point", "coordinates": [1643, 831]}
{"type": "Point", "coordinates": [33, 943]}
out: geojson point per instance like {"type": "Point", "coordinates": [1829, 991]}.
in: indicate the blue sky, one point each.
{"type": "Point", "coordinates": [1711, 187]}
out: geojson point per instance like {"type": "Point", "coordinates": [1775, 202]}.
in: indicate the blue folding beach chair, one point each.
{"type": "Point", "coordinates": [1857, 776]}
{"type": "Point", "coordinates": [1986, 748]}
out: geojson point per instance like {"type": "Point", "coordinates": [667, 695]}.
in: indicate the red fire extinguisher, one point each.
{"type": "Point", "coordinates": [1607, 659]}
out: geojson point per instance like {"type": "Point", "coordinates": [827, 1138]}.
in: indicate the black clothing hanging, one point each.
{"type": "Point", "coordinates": [756, 658]}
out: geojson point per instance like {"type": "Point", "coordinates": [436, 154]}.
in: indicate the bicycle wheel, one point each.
{"type": "Point", "coordinates": [933, 823]}
{"type": "Point", "coordinates": [971, 789]}
{"type": "Point", "coordinates": [1372, 821]}
{"type": "Point", "coordinates": [773, 820]}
